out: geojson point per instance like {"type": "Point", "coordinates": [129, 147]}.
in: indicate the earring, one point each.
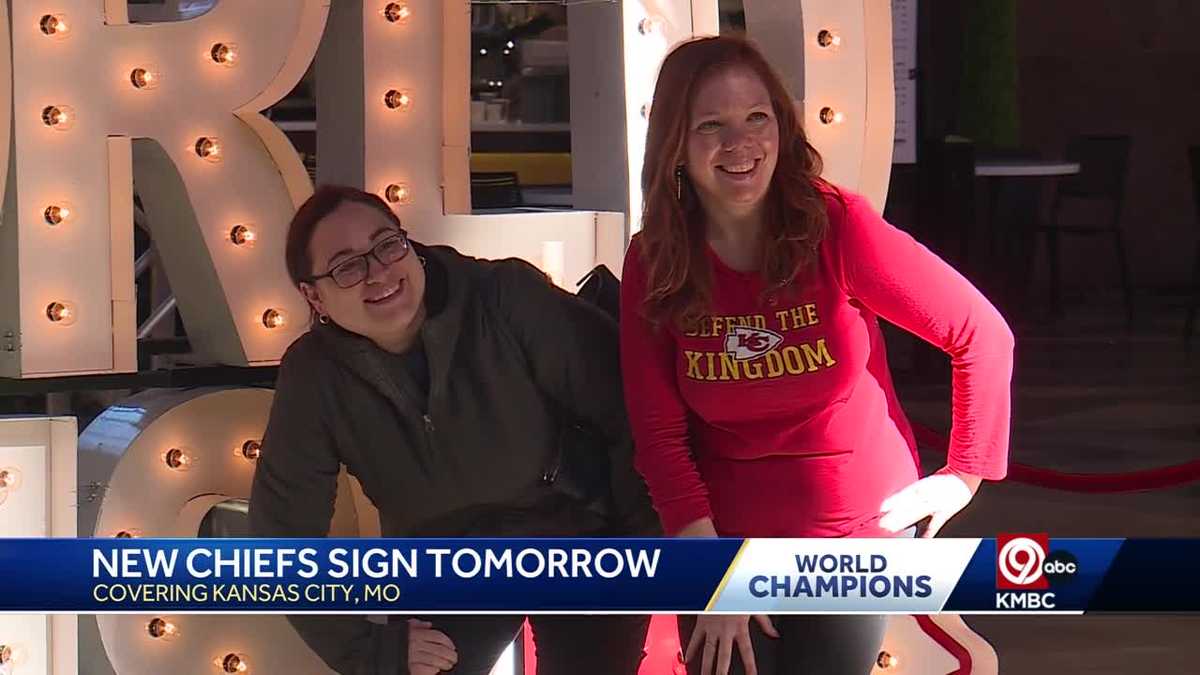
{"type": "Point", "coordinates": [679, 182]}
{"type": "Point", "coordinates": [422, 259]}
{"type": "Point", "coordinates": [323, 319]}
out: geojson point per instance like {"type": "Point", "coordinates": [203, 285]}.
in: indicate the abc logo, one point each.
{"type": "Point", "coordinates": [1060, 567]}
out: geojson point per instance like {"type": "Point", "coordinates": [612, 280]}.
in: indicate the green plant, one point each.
{"type": "Point", "coordinates": [987, 103]}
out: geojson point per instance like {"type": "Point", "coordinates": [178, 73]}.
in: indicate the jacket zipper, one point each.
{"type": "Point", "coordinates": [426, 418]}
{"type": "Point", "coordinates": [426, 415]}
{"type": "Point", "coordinates": [405, 398]}
{"type": "Point", "coordinates": [429, 429]}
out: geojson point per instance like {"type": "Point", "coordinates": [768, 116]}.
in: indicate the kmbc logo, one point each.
{"type": "Point", "coordinates": [1021, 560]}
{"type": "Point", "coordinates": [1026, 569]}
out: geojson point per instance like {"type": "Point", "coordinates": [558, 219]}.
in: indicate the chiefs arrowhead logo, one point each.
{"type": "Point", "coordinates": [746, 343]}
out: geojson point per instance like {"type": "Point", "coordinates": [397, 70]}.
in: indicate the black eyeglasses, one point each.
{"type": "Point", "coordinates": [353, 271]}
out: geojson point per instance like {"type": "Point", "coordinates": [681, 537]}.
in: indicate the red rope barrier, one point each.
{"type": "Point", "coordinates": [960, 652]}
{"type": "Point", "coordinates": [1095, 483]}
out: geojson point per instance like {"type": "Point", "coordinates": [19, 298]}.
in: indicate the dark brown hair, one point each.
{"type": "Point", "coordinates": [323, 202]}
{"type": "Point", "coordinates": [678, 283]}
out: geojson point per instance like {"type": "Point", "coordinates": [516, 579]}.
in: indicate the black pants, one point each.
{"type": "Point", "coordinates": [832, 644]}
{"type": "Point", "coordinates": [566, 645]}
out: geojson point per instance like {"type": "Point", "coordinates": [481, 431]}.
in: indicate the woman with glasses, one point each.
{"type": "Point", "coordinates": [443, 383]}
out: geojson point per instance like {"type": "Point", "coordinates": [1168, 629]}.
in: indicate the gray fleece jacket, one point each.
{"type": "Point", "coordinates": [512, 361]}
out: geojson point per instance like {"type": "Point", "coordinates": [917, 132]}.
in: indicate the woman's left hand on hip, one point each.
{"type": "Point", "coordinates": [937, 497]}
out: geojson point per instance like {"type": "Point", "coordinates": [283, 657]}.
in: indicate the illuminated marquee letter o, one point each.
{"type": "Point", "coordinates": [129, 448]}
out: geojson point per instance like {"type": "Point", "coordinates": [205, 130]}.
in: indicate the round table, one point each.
{"type": "Point", "coordinates": [1015, 168]}
{"type": "Point", "coordinates": [1011, 245]}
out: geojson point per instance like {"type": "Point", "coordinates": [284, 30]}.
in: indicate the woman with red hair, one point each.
{"type": "Point", "coordinates": [754, 366]}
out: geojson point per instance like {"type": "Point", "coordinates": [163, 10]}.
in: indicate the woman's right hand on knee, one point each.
{"type": "Point", "coordinates": [429, 651]}
{"type": "Point", "coordinates": [716, 636]}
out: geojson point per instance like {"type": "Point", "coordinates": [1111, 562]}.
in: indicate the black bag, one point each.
{"type": "Point", "coordinates": [602, 288]}
{"type": "Point", "coordinates": [582, 470]}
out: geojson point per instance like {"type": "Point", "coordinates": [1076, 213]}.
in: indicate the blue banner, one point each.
{"type": "Point", "coordinates": [360, 575]}
{"type": "Point", "coordinates": [1013, 573]}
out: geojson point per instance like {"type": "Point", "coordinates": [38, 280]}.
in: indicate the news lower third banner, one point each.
{"type": "Point", "coordinates": [1012, 573]}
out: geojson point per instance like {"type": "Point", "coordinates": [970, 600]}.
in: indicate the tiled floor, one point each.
{"type": "Point", "coordinates": [1090, 397]}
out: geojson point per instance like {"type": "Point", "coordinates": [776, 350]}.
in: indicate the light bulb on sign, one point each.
{"type": "Point", "coordinates": [57, 214]}
{"type": "Point", "coordinates": [828, 39]}
{"type": "Point", "coordinates": [650, 24]}
{"type": "Point", "coordinates": [830, 116]}
{"type": "Point", "coordinates": [10, 480]}
{"type": "Point", "coordinates": [887, 661]}
{"type": "Point", "coordinates": [273, 318]}
{"type": "Point", "coordinates": [144, 78]}
{"type": "Point", "coordinates": [54, 25]}
{"type": "Point", "coordinates": [58, 117]}
{"type": "Point", "coordinates": [397, 12]}
{"type": "Point", "coordinates": [208, 148]}
{"type": "Point", "coordinates": [61, 313]}
{"type": "Point", "coordinates": [243, 235]}
{"type": "Point", "coordinates": [161, 629]}
{"type": "Point", "coordinates": [224, 54]}
{"type": "Point", "coordinates": [250, 450]}
{"type": "Point", "coordinates": [398, 100]}
{"type": "Point", "coordinates": [178, 459]}
{"type": "Point", "coordinates": [398, 193]}
{"type": "Point", "coordinates": [232, 663]}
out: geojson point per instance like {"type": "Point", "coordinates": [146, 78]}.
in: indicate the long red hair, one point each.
{"type": "Point", "coordinates": [672, 242]}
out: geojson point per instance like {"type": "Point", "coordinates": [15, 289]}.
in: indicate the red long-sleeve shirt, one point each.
{"type": "Point", "coordinates": [777, 417]}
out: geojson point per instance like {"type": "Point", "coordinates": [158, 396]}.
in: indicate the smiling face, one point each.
{"type": "Point", "coordinates": [732, 142]}
{"type": "Point", "coordinates": [387, 306]}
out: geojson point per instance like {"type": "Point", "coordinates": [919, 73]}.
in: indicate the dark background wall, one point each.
{"type": "Point", "coordinates": [1097, 66]}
